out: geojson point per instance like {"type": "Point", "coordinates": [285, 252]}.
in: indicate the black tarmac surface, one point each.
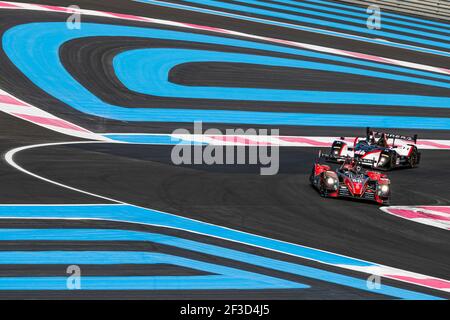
{"type": "Point", "coordinates": [283, 206]}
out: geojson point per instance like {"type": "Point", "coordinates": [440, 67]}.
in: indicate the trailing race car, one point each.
{"type": "Point", "coordinates": [350, 180]}
{"type": "Point", "coordinates": [375, 146]}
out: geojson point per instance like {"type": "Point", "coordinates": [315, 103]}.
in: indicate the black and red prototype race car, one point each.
{"type": "Point", "coordinates": [350, 180]}
{"type": "Point", "coordinates": [381, 148]}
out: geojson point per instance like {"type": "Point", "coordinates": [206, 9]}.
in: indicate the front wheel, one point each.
{"type": "Point", "coordinates": [323, 191]}
{"type": "Point", "coordinates": [321, 187]}
{"type": "Point", "coordinates": [311, 176]}
{"type": "Point", "coordinates": [336, 149]}
{"type": "Point", "coordinates": [393, 162]}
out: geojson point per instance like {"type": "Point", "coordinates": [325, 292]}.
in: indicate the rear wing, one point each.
{"type": "Point", "coordinates": [332, 158]}
{"type": "Point", "coordinates": [394, 136]}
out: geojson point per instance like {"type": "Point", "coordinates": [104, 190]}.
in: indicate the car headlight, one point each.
{"type": "Point", "coordinates": [384, 188]}
{"type": "Point", "coordinates": [332, 183]}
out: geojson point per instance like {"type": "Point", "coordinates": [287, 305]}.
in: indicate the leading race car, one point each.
{"type": "Point", "coordinates": [379, 147]}
{"type": "Point", "coordinates": [350, 180]}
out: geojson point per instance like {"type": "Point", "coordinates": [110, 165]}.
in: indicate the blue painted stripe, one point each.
{"type": "Point", "coordinates": [163, 139]}
{"type": "Point", "coordinates": [361, 14]}
{"type": "Point", "coordinates": [147, 71]}
{"type": "Point", "coordinates": [325, 16]}
{"type": "Point", "coordinates": [396, 16]}
{"type": "Point", "coordinates": [126, 213]}
{"type": "Point", "coordinates": [292, 26]}
{"type": "Point", "coordinates": [288, 119]}
{"type": "Point", "coordinates": [323, 23]}
{"type": "Point", "coordinates": [38, 58]}
{"type": "Point", "coordinates": [138, 283]}
{"type": "Point", "coordinates": [121, 235]}
{"type": "Point", "coordinates": [227, 278]}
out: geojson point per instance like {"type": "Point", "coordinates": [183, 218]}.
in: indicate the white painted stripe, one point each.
{"type": "Point", "coordinates": [18, 111]}
{"type": "Point", "coordinates": [422, 210]}
{"type": "Point", "coordinates": [413, 65]}
{"type": "Point", "coordinates": [431, 221]}
{"type": "Point", "coordinates": [393, 273]}
{"type": "Point", "coordinates": [383, 270]}
{"type": "Point", "coordinates": [37, 112]}
{"type": "Point", "coordinates": [434, 223]}
{"type": "Point", "coordinates": [333, 33]}
{"type": "Point", "coordinates": [9, 157]}
{"type": "Point", "coordinates": [211, 29]}
{"type": "Point", "coordinates": [435, 212]}
{"type": "Point", "coordinates": [10, 108]}
{"type": "Point", "coordinates": [205, 28]}
{"type": "Point", "coordinates": [74, 133]}
{"type": "Point", "coordinates": [278, 140]}
{"type": "Point", "coordinates": [28, 110]}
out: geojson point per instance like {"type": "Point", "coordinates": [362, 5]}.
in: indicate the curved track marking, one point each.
{"type": "Point", "coordinates": [436, 216]}
{"type": "Point", "coordinates": [294, 26]}
{"type": "Point", "coordinates": [44, 60]}
{"type": "Point", "coordinates": [259, 117]}
{"type": "Point", "coordinates": [348, 6]}
{"type": "Point", "coordinates": [135, 214]}
{"type": "Point", "coordinates": [245, 7]}
{"type": "Point", "coordinates": [360, 12]}
{"type": "Point", "coordinates": [252, 140]}
{"type": "Point", "coordinates": [152, 69]}
{"type": "Point", "coordinates": [194, 226]}
{"type": "Point", "coordinates": [222, 278]}
{"type": "Point", "coordinates": [24, 6]}
{"type": "Point", "coordinates": [138, 257]}
{"type": "Point", "coordinates": [336, 15]}
{"type": "Point", "coordinates": [20, 109]}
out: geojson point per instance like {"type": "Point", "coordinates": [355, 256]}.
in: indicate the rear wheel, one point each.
{"type": "Point", "coordinates": [413, 159]}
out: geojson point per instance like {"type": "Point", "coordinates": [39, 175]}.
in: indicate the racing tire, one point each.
{"type": "Point", "coordinates": [414, 158]}
{"type": "Point", "coordinates": [322, 189]}
{"type": "Point", "coordinates": [336, 147]}
{"type": "Point", "coordinates": [390, 164]}
{"type": "Point", "coordinates": [392, 161]}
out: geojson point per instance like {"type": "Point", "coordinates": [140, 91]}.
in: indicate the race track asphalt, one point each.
{"type": "Point", "coordinates": [283, 206]}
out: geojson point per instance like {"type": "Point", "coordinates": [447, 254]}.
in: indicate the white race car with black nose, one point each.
{"type": "Point", "coordinates": [381, 148]}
